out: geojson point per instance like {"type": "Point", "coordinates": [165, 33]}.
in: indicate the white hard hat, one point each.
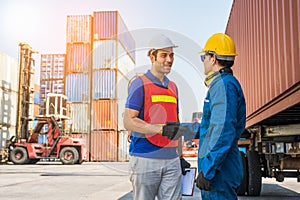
{"type": "Point", "coordinates": [161, 42]}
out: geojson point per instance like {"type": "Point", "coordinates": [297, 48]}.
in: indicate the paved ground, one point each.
{"type": "Point", "coordinates": [96, 180]}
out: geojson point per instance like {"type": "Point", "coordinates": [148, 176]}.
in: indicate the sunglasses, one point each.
{"type": "Point", "coordinates": [202, 57]}
{"type": "Point", "coordinates": [206, 54]}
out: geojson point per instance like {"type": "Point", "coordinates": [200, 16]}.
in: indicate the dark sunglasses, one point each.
{"type": "Point", "coordinates": [202, 57]}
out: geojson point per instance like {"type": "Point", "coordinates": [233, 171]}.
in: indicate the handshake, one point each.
{"type": "Point", "coordinates": [173, 130]}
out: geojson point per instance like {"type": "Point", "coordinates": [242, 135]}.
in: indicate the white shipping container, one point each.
{"type": "Point", "coordinates": [79, 117]}
{"type": "Point", "coordinates": [111, 54]}
{"type": "Point", "coordinates": [8, 107]}
{"type": "Point", "coordinates": [5, 134]}
{"type": "Point", "coordinates": [104, 54]}
{"type": "Point", "coordinates": [122, 92]}
{"type": "Point", "coordinates": [123, 146]}
{"type": "Point", "coordinates": [9, 76]}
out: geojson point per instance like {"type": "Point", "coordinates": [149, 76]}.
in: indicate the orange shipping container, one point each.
{"type": "Point", "coordinates": [105, 114]}
{"type": "Point", "coordinates": [78, 58]}
{"type": "Point", "coordinates": [104, 145]}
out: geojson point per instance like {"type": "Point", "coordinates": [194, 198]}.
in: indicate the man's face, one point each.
{"type": "Point", "coordinates": [208, 66]}
{"type": "Point", "coordinates": [164, 60]}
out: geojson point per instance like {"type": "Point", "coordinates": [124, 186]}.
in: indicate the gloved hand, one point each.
{"type": "Point", "coordinates": [184, 164]}
{"type": "Point", "coordinates": [202, 183]}
{"type": "Point", "coordinates": [171, 130]}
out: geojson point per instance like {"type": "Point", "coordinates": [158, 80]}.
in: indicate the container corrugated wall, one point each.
{"type": "Point", "coordinates": [267, 37]}
{"type": "Point", "coordinates": [104, 54]}
{"type": "Point", "coordinates": [108, 25]}
{"type": "Point", "coordinates": [79, 115]}
{"type": "Point", "coordinates": [9, 68]}
{"type": "Point", "coordinates": [104, 146]}
{"type": "Point", "coordinates": [78, 57]}
{"type": "Point", "coordinates": [105, 114]}
{"type": "Point", "coordinates": [79, 28]}
{"type": "Point", "coordinates": [123, 146]}
{"type": "Point", "coordinates": [104, 84]}
{"type": "Point", "coordinates": [77, 87]}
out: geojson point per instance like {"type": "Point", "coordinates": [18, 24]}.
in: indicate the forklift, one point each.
{"type": "Point", "coordinates": [48, 140]}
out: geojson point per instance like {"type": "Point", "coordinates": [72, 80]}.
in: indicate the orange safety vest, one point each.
{"type": "Point", "coordinates": [160, 106]}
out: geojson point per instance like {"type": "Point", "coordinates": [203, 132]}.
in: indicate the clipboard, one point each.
{"type": "Point", "coordinates": [188, 182]}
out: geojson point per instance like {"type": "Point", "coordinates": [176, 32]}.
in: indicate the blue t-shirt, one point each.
{"type": "Point", "coordinates": [139, 145]}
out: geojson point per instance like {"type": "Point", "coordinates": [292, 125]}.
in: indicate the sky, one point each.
{"type": "Point", "coordinates": [42, 25]}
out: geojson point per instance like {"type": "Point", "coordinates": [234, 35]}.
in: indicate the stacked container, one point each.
{"type": "Point", "coordinates": [77, 73]}
{"type": "Point", "coordinates": [112, 58]}
{"type": "Point", "coordinates": [9, 69]}
{"type": "Point", "coordinates": [100, 51]}
{"type": "Point", "coordinates": [51, 76]}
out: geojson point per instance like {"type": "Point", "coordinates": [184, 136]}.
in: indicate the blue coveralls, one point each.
{"type": "Point", "coordinates": [223, 121]}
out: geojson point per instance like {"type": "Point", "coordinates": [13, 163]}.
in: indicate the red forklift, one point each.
{"type": "Point", "coordinates": [49, 146]}
{"type": "Point", "coordinates": [48, 140]}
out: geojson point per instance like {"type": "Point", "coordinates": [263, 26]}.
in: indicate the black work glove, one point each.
{"type": "Point", "coordinates": [184, 164]}
{"type": "Point", "coordinates": [171, 130]}
{"type": "Point", "coordinates": [202, 183]}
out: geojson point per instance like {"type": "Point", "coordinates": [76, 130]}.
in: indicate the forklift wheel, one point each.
{"type": "Point", "coordinates": [69, 155]}
{"type": "Point", "coordinates": [19, 156]}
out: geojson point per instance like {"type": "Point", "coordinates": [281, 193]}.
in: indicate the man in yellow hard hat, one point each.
{"type": "Point", "coordinates": [220, 169]}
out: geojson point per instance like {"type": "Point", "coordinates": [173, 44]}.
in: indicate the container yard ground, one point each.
{"type": "Point", "coordinates": [97, 180]}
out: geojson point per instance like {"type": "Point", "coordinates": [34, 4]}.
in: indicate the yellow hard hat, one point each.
{"type": "Point", "coordinates": [222, 45]}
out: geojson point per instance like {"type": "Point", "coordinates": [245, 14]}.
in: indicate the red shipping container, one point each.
{"type": "Point", "coordinates": [267, 38]}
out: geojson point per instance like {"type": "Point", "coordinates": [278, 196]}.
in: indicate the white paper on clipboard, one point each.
{"type": "Point", "coordinates": [188, 182]}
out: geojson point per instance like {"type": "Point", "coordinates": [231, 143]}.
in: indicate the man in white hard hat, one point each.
{"type": "Point", "coordinates": [155, 169]}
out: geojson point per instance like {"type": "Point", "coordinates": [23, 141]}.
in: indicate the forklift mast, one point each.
{"type": "Point", "coordinates": [26, 90]}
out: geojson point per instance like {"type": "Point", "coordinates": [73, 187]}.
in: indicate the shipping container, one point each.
{"type": "Point", "coordinates": [104, 89]}
{"type": "Point", "coordinates": [52, 66]}
{"type": "Point", "coordinates": [79, 28]}
{"type": "Point", "coordinates": [77, 87]}
{"type": "Point", "coordinates": [123, 146]}
{"type": "Point", "coordinates": [8, 102]}
{"type": "Point", "coordinates": [267, 36]}
{"type": "Point", "coordinates": [104, 146]}
{"type": "Point", "coordinates": [104, 84]}
{"type": "Point", "coordinates": [80, 118]}
{"type": "Point", "coordinates": [111, 54]}
{"type": "Point", "coordinates": [9, 68]}
{"type": "Point", "coordinates": [105, 114]}
{"type": "Point", "coordinates": [78, 58]}
{"type": "Point", "coordinates": [108, 25]}
{"type": "Point", "coordinates": [6, 132]}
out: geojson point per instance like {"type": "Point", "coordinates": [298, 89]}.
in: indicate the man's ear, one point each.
{"type": "Point", "coordinates": [152, 58]}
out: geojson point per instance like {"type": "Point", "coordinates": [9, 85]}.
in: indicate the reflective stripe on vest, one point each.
{"type": "Point", "coordinates": [160, 106]}
{"type": "Point", "coordinates": [163, 98]}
